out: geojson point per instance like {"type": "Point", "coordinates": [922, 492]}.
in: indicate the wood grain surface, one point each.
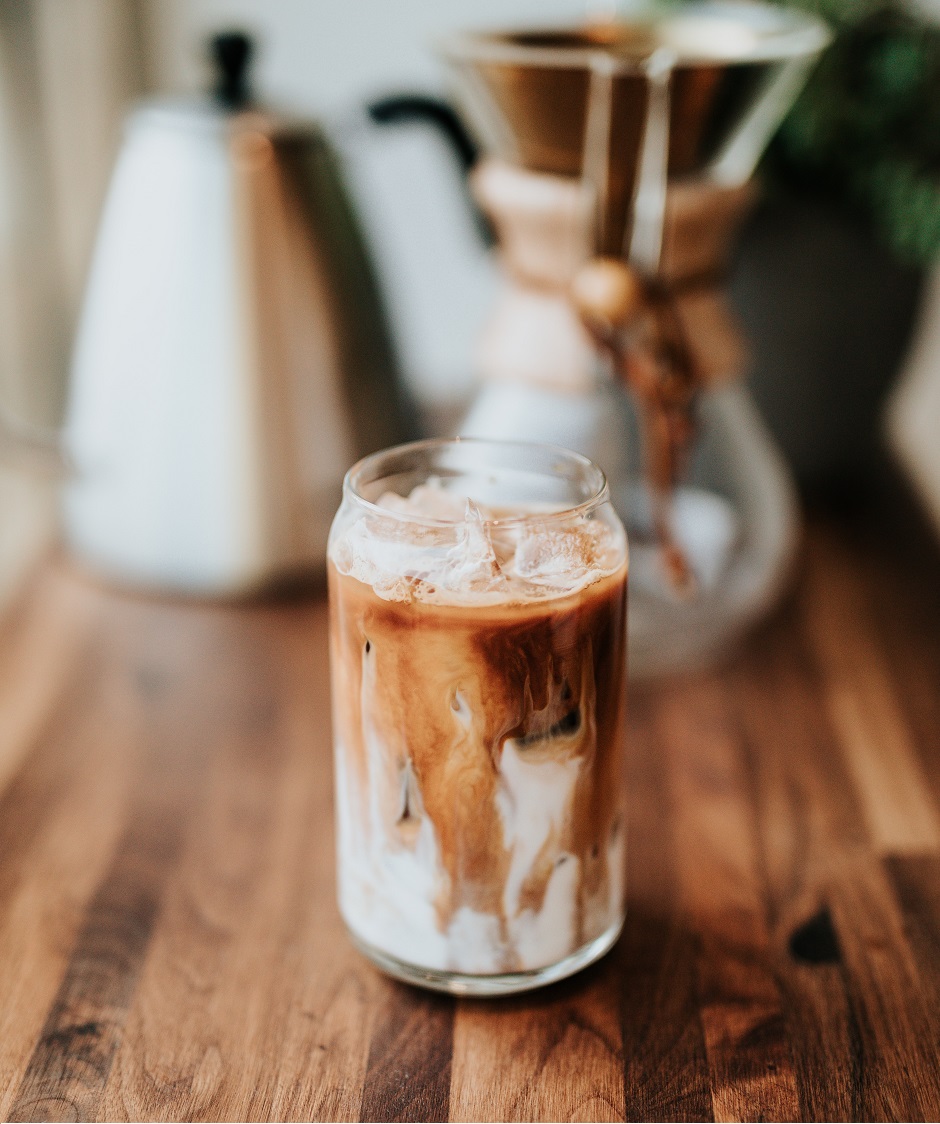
{"type": "Point", "coordinates": [170, 947]}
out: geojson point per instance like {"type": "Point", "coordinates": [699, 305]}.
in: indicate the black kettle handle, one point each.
{"type": "Point", "coordinates": [406, 108]}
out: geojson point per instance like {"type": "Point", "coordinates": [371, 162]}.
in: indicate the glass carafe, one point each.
{"type": "Point", "coordinates": [628, 146]}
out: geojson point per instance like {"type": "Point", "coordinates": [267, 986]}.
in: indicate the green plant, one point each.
{"type": "Point", "coordinates": [866, 129]}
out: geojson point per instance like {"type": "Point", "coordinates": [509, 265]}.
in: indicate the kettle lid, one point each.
{"type": "Point", "coordinates": [230, 104]}
{"type": "Point", "coordinates": [232, 51]}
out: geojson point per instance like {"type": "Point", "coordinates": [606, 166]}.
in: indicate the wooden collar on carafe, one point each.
{"type": "Point", "coordinates": [666, 336]}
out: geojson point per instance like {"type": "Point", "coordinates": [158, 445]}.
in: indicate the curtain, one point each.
{"type": "Point", "coordinates": [68, 68]}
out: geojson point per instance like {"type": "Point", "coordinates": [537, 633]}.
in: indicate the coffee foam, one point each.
{"type": "Point", "coordinates": [442, 546]}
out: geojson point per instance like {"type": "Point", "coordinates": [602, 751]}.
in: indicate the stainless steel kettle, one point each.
{"type": "Point", "coordinates": [232, 359]}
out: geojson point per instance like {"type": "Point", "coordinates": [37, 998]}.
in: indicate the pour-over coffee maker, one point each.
{"type": "Point", "coordinates": [616, 176]}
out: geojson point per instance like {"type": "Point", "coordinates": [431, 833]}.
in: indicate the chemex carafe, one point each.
{"type": "Point", "coordinates": [618, 159]}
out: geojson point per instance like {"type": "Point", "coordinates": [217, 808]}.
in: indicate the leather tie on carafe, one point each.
{"type": "Point", "coordinates": [635, 312]}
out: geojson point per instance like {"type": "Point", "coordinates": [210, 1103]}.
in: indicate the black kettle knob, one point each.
{"type": "Point", "coordinates": [231, 51]}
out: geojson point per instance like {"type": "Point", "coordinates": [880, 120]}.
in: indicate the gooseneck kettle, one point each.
{"type": "Point", "coordinates": [232, 358]}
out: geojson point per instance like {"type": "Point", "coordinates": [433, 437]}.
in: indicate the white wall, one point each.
{"type": "Point", "coordinates": [319, 55]}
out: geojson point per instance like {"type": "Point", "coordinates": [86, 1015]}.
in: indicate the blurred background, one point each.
{"type": "Point", "coordinates": [830, 277]}
{"type": "Point", "coordinates": [69, 73]}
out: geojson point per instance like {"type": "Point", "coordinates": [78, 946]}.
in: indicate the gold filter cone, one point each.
{"type": "Point", "coordinates": [538, 90]}
{"type": "Point", "coordinates": [547, 112]}
{"type": "Point", "coordinates": [734, 69]}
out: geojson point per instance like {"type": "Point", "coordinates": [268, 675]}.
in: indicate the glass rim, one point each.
{"type": "Point", "coordinates": [600, 496]}
{"type": "Point", "coordinates": [788, 34]}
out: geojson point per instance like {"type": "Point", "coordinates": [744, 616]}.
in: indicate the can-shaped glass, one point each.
{"type": "Point", "coordinates": [478, 650]}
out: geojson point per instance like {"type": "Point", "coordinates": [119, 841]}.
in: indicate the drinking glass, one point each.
{"type": "Point", "coordinates": [478, 639]}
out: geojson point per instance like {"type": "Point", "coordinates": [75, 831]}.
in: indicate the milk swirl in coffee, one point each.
{"type": "Point", "coordinates": [477, 656]}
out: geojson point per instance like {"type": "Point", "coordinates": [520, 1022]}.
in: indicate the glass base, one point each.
{"type": "Point", "coordinates": [509, 983]}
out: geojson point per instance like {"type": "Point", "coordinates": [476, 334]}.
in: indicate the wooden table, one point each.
{"type": "Point", "coordinates": [170, 947]}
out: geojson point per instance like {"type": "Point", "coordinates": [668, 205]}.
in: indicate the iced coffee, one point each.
{"type": "Point", "coordinates": [478, 601]}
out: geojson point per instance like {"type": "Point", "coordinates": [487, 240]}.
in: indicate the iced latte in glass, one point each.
{"type": "Point", "coordinates": [478, 638]}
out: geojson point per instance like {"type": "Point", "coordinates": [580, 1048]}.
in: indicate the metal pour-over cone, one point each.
{"type": "Point", "coordinates": [677, 90]}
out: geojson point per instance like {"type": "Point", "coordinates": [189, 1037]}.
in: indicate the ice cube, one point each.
{"type": "Point", "coordinates": [432, 500]}
{"type": "Point", "coordinates": [471, 563]}
{"type": "Point", "coordinates": [556, 556]}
